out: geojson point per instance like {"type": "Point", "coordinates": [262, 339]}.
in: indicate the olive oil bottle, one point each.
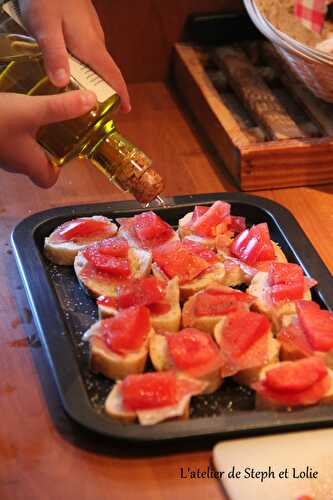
{"type": "Point", "coordinates": [93, 135]}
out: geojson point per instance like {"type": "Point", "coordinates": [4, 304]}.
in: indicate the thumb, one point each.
{"type": "Point", "coordinates": [43, 110]}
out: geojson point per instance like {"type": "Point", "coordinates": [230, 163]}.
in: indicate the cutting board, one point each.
{"type": "Point", "coordinates": [279, 467]}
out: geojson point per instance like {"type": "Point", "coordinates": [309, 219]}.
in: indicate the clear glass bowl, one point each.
{"type": "Point", "coordinates": [312, 67]}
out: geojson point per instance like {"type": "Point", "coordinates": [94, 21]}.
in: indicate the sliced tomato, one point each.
{"type": "Point", "coordinates": [198, 212]}
{"type": "Point", "coordinates": [206, 224]}
{"type": "Point", "coordinates": [241, 330]}
{"type": "Point", "coordinates": [127, 331]}
{"type": "Point", "coordinates": [116, 247]}
{"type": "Point", "coordinates": [159, 308]}
{"type": "Point", "coordinates": [201, 250]}
{"type": "Point", "coordinates": [193, 351]}
{"type": "Point", "coordinates": [151, 230]}
{"type": "Point", "coordinates": [237, 224]}
{"type": "Point", "coordinates": [294, 336]}
{"type": "Point", "coordinates": [143, 291]}
{"type": "Point", "coordinates": [116, 266]}
{"type": "Point", "coordinates": [176, 260]}
{"type": "Point", "coordinates": [149, 390]}
{"type": "Point", "coordinates": [290, 292]}
{"type": "Point", "coordinates": [81, 228]}
{"type": "Point", "coordinates": [317, 325]}
{"type": "Point", "coordinates": [253, 245]}
{"type": "Point", "coordinates": [295, 376]}
{"type": "Point", "coordinates": [220, 301]}
{"type": "Point", "coordinates": [283, 273]}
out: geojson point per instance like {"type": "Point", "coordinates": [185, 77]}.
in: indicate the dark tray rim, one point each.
{"type": "Point", "coordinates": [58, 344]}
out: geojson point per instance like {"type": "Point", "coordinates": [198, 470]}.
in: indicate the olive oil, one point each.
{"type": "Point", "coordinates": [93, 135]}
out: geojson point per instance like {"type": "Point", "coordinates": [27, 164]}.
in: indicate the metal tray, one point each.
{"type": "Point", "coordinates": [62, 312]}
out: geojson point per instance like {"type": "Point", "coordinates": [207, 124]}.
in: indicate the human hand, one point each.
{"type": "Point", "coordinates": [20, 119]}
{"type": "Point", "coordinates": [72, 24]}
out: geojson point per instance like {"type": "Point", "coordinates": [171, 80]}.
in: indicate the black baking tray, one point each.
{"type": "Point", "coordinates": [62, 312]}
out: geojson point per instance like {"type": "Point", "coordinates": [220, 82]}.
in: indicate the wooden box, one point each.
{"type": "Point", "coordinates": [267, 128]}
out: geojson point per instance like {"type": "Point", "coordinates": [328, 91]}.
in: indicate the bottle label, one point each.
{"type": "Point", "coordinates": [82, 75]}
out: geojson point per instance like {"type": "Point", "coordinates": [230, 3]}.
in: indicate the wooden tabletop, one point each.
{"type": "Point", "coordinates": [43, 454]}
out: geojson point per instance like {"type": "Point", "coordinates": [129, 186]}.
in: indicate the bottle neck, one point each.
{"type": "Point", "coordinates": [127, 167]}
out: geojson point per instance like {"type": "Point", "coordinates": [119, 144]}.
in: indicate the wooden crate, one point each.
{"type": "Point", "coordinates": [268, 129]}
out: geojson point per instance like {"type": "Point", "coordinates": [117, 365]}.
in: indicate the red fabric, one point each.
{"type": "Point", "coordinates": [311, 13]}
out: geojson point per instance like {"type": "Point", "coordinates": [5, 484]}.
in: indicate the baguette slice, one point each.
{"type": "Point", "coordinates": [169, 321]}
{"type": "Point", "coordinates": [207, 323]}
{"type": "Point", "coordinates": [64, 252]}
{"type": "Point", "coordinates": [180, 411]}
{"type": "Point", "coordinates": [140, 263]}
{"type": "Point", "coordinates": [162, 361]}
{"type": "Point", "coordinates": [214, 275]}
{"type": "Point", "coordinates": [248, 376]}
{"type": "Point", "coordinates": [259, 288]}
{"type": "Point", "coordinates": [268, 404]}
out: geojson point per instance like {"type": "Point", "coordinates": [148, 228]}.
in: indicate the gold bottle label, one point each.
{"type": "Point", "coordinates": [81, 74]}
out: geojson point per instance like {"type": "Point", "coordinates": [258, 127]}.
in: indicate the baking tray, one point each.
{"type": "Point", "coordinates": [62, 312]}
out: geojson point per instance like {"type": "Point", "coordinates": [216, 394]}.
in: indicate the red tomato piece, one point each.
{"type": "Point", "coordinates": [253, 245]}
{"type": "Point", "coordinates": [149, 391]}
{"type": "Point", "coordinates": [283, 273]}
{"type": "Point", "coordinates": [282, 292]}
{"type": "Point", "coordinates": [116, 266]}
{"type": "Point", "coordinates": [295, 376]}
{"type": "Point", "coordinates": [237, 224]}
{"type": "Point", "coordinates": [81, 228]}
{"type": "Point", "coordinates": [103, 300]}
{"type": "Point", "coordinates": [151, 230]}
{"type": "Point", "coordinates": [176, 260]}
{"type": "Point", "coordinates": [159, 308]}
{"type": "Point", "coordinates": [206, 224]}
{"type": "Point", "coordinates": [317, 325]}
{"type": "Point", "coordinates": [143, 291]}
{"type": "Point", "coordinates": [294, 336]}
{"type": "Point", "coordinates": [201, 250]}
{"type": "Point", "coordinates": [127, 331]}
{"type": "Point", "coordinates": [193, 351]}
{"type": "Point", "coordinates": [218, 302]}
{"type": "Point", "coordinates": [198, 212]}
{"type": "Point", "coordinates": [116, 247]}
{"type": "Point", "coordinates": [242, 330]}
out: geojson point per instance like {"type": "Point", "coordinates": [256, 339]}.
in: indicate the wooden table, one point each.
{"type": "Point", "coordinates": [43, 455]}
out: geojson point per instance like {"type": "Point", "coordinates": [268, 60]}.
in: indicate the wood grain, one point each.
{"type": "Point", "coordinates": [43, 454]}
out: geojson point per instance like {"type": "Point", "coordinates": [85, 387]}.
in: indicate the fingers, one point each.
{"type": "Point", "coordinates": [45, 23]}
{"type": "Point", "coordinates": [43, 110]}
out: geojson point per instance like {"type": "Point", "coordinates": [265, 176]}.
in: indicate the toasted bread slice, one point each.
{"type": "Point", "coordinates": [167, 322]}
{"type": "Point", "coordinates": [111, 364]}
{"type": "Point", "coordinates": [266, 404]}
{"type": "Point", "coordinates": [203, 323]}
{"type": "Point", "coordinates": [214, 275]}
{"type": "Point", "coordinates": [162, 361]}
{"type": "Point", "coordinates": [63, 253]}
{"type": "Point", "coordinates": [250, 375]}
{"type": "Point", "coordinates": [140, 263]}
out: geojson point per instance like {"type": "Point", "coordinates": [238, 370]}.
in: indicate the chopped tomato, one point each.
{"type": "Point", "coordinates": [149, 390]}
{"type": "Point", "coordinates": [317, 325]}
{"type": "Point", "coordinates": [198, 212]}
{"type": "Point", "coordinates": [116, 247]}
{"type": "Point", "coordinates": [139, 292]}
{"type": "Point", "coordinates": [286, 281]}
{"type": "Point", "coordinates": [103, 300]}
{"type": "Point", "coordinates": [253, 245]}
{"type": "Point", "coordinates": [193, 351]}
{"type": "Point", "coordinates": [294, 336]}
{"type": "Point", "coordinates": [237, 224]}
{"type": "Point", "coordinates": [241, 330]}
{"type": "Point", "coordinates": [151, 230]}
{"type": "Point", "coordinates": [159, 308]}
{"type": "Point", "coordinates": [127, 331]}
{"type": "Point", "coordinates": [176, 260]}
{"type": "Point", "coordinates": [201, 250]}
{"type": "Point", "coordinates": [220, 301]}
{"type": "Point", "coordinates": [82, 228]}
{"type": "Point", "coordinates": [295, 376]}
{"type": "Point", "coordinates": [207, 223]}
{"type": "Point", "coordinates": [117, 266]}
